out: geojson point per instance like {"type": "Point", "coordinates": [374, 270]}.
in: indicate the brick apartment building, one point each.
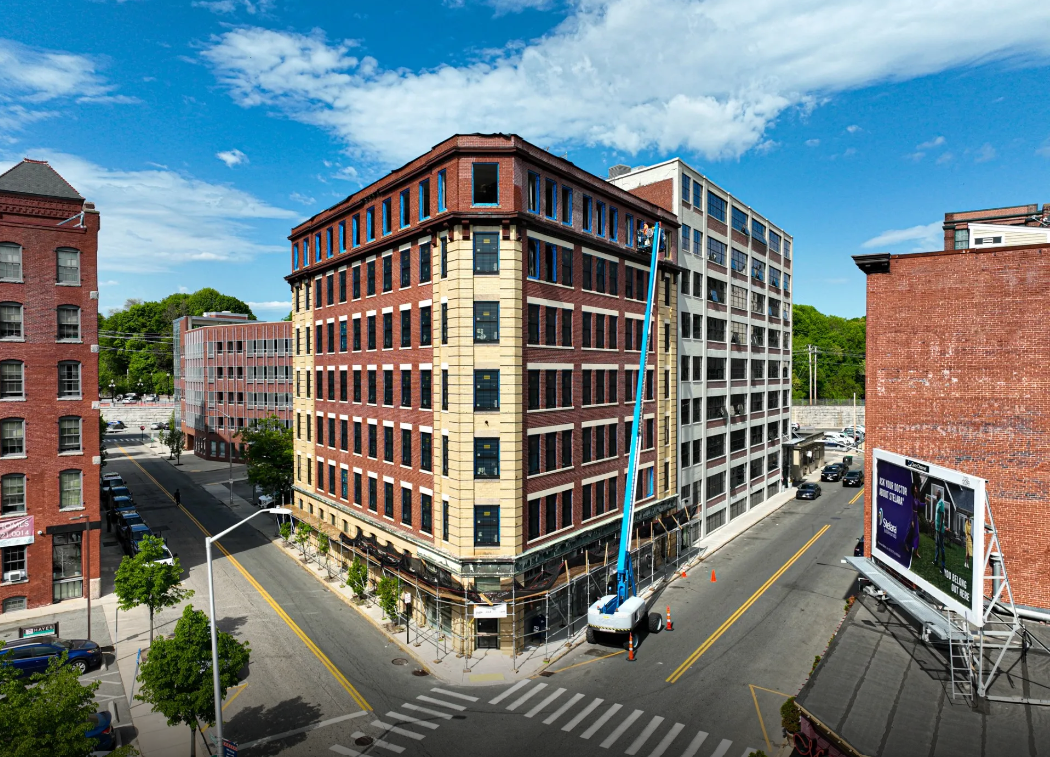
{"type": "Point", "coordinates": [467, 334]}
{"type": "Point", "coordinates": [49, 418]}
{"type": "Point", "coordinates": [996, 227]}
{"type": "Point", "coordinates": [734, 344]}
{"type": "Point", "coordinates": [957, 360]}
{"type": "Point", "coordinates": [229, 371]}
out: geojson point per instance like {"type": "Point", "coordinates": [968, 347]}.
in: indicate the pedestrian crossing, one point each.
{"type": "Point", "coordinates": [410, 723]}
{"type": "Point", "coordinates": [610, 725]}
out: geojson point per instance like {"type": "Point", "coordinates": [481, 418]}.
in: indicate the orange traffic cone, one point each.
{"type": "Point", "coordinates": [713, 579]}
{"type": "Point", "coordinates": [683, 574]}
{"type": "Point", "coordinates": [630, 647]}
{"type": "Point", "coordinates": [668, 625]}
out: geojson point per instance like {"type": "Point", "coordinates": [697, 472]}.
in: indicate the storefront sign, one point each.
{"type": "Point", "coordinates": [491, 611]}
{"type": "Point", "coordinates": [16, 531]}
{"type": "Point", "coordinates": [47, 629]}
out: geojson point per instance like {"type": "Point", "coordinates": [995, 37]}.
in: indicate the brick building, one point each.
{"type": "Point", "coordinates": [466, 343]}
{"type": "Point", "coordinates": [49, 451]}
{"type": "Point", "coordinates": [978, 228]}
{"type": "Point", "coordinates": [229, 371]}
{"type": "Point", "coordinates": [734, 341]}
{"type": "Point", "coordinates": [957, 360]}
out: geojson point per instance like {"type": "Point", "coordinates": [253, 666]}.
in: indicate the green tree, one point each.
{"type": "Point", "coordinates": [302, 536]}
{"type": "Point", "coordinates": [288, 317]}
{"type": "Point", "coordinates": [173, 439]}
{"type": "Point", "coordinates": [47, 713]}
{"type": "Point", "coordinates": [270, 453]}
{"type": "Point", "coordinates": [286, 530]}
{"type": "Point", "coordinates": [357, 577]}
{"type": "Point", "coordinates": [386, 590]}
{"type": "Point", "coordinates": [840, 363]}
{"type": "Point", "coordinates": [141, 580]}
{"type": "Point", "coordinates": [176, 677]}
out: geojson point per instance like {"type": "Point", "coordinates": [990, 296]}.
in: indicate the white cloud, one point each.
{"type": "Point", "coordinates": [935, 142]}
{"type": "Point", "coordinates": [232, 157]}
{"type": "Point", "coordinates": [109, 283]}
{"type": "Point", "coordinates": [812, 142]}
{"type": "Point", "coordinates": [985, 153]}
{"type": "Point", "coordinates": [231, 6]}
{"type": "Point", "coordinates": [154, 220]}
{"type": "Point", "coordinates": [853, 129]}
{"type": "Point", "coordinates": [303, 199]}
{"type": "Point", "coordinates": [928, 237]}
{"type": "Point", "coordinates": [945, 158]}
{"type": "Point", "coordinates": [348, 173]}
{"type": "Point", "coordinates": [714, 87]}
{"type": "Point", "coordinates": [271, 305]}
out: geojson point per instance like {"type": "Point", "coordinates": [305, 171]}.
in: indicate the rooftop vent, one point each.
{"type": "Point", "coordinates": [619, 170]}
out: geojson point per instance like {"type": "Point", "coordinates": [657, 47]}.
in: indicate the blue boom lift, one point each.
{"type": "Point", "coordinates": [624, 611]}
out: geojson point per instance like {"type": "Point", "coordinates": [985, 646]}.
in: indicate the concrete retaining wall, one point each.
{"type": "Point", "coordinates": [137, 415]}
{"type": "Point", "coordinates": [826, 416]}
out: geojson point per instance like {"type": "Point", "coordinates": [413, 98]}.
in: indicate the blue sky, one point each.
{"type": "Point", "coordinates": [204, 130]}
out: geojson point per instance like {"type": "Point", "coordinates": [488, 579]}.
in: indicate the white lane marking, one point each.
{"type": "Point", "coordinates": [671, 735]}
{"type": "Point", "coordinates": [427, 710]}
{"type": "Point", "coordinates": [441, 702]}
{"type": "Point", "coordinates": [343, 750]}
{"type": "Point", "coordinates": [527, 696]}
{"type": "Point", "coordinates": [402, 731]}
{"type": "Point", "coordinates": [722, 748]}
{"type": "Point", "coordinates": [550, 698]}
{"type": "Point", "coordinates": [395, 748]}
{"type": "Point", "coordinates": [563, 709]}
{"type": "Point", "coordinates": [306, 729]}
{"type": "Point", "coordinates": [579, 718]}
{"type": "Point", "coordinates": [620, 729]}
{"type": "Point", "coordinates": [410, 719]}
{"type": "Point", "coordinates": [600, 721]}
{"type": "Point", "coordinates": [749, 750]}
{"type": "Point", "coordinates": [457, 695]}
{"type": "Point", "coordinates": [695, 744]}
{"type": "Point", "coordinates": [644, 736]}
{"type": "Point", "coordinates": [510, 691]}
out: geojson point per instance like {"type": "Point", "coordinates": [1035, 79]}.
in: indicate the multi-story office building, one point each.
{"type": "Point", "coordinates": [734, 341]}
{"type": "Point", "coordinates": [230, 371]}
{"type": "Point", "coordinates": [49, 418]}
{"type": "Point", "coordinates": [467, 336]}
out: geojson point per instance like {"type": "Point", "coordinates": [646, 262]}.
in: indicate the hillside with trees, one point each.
{"type": "Point", "coordinates": [136, 342]}
{"type": "Point", "coordinates": [840, 361]}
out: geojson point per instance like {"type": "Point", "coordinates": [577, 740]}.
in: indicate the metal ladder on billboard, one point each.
{"type": "Point", "coordinates": [960, 655]}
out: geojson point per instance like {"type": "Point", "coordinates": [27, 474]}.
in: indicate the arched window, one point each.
{"type": "Point", "coordinates": [11, 320]}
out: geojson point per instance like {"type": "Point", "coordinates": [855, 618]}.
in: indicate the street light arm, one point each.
{"type": "Point", "coordinates": [274, 510]}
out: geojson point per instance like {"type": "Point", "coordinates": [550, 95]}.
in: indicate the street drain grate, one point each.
{"type": "Point", "coordinates": [364, 740]}
{"type": "Point", "coordinates": [420, 672]}
{"type": "Point", "coordinates": [399, 661]}
{"type": "Point", "coordinates": [546, 673]}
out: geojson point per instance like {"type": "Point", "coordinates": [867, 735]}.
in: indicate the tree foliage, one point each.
{"type": "Point", "coordinates": [176, 677]}
{"type": "Point", "coordinates": [386, 591]}
{"type": "Point", "coordinates": [141, 580]}
{"type": "Point", "coordinates": [269, 448]}
{"type": "Point", "coordinates": [302, 535]}
{"type": "Point", "coordinates": [840, 364]}
{"type": "Point", "coordinates": [173, 438]}
{"type": "Point", "coordinates": [357, 577]}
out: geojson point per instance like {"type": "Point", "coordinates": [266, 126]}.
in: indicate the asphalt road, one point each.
{"type": "Point", "coordinates": [710, 688]}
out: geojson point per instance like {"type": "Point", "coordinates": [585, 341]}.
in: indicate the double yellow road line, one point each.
{"type": "Point", "coordinates": [329, 665]}
{"type": "Point", "coordinates": [681, 669]}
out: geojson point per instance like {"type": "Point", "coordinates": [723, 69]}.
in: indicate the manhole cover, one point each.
{"type": "Point", "coordinates": [420, 672]}
{"type": "Point", "coordinates": [363, 740]}
{"type": "Point", "coordinates": [546, 673]}
{"type": "Point", "coordinates": [399, 661]}
{"type": "Point", "coordinates": [595, 653]}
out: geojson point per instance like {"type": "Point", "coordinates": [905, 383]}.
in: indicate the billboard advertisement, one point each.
{"type": "Point", "coordinates": [928, 524]}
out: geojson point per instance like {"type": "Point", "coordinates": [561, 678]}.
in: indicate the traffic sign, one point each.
{"type": "Point", "coordinates": [142, 428]}
{"type": "Point", "coordinates": [229, 748]}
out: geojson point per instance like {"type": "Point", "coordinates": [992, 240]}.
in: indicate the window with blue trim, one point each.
{"type": "Point", "coordinates": [696, 196]}
{"type": "Point", "coordinates": [485, 184]}
{"type": "Point", "coordinates": [317, 247]}
{"type": "Point", "coordinates": [534, 192]}
{"type": "Point", "coordinates": [386, 216]}
{"type": "Point", "coordinates": [355, 231]}
{"type": "Point", "coordinates": [534, 259]}
{"type": "Point", "coordinates": [739, 220]}
{"type": "Point", "coordinates": [441, 192]}
{"type": "Point", "coordinates": [342, 236]}
{"type": "Point", "coordinates": [424, 199]}
{"type": "Point", "coordinates": [614, 224]}
{"type": "Point", "coordinates": [486, 252]}
{"type": "Point", "coordinates": [370, 224]}
{"type": "Point", "coordinates": [328, 240]}
{"type": "Point", "coordinates": [630, 230]}
{"type": "Point", "coordinates": [295, 256]}
{"type": "Point", "coordinates": [566, 206]}
{"type": "Point", "coordinates": [601, 218]}
{"type": "Point", "coordinates": [685, 188]}
{"type": "Point", "coordinates": [550, 198]}
{"type": "Point", "coordinates": [716, 207]}
{"type": "Point", "coordinates": [404, 208]}
{"type": "Point", "coordinates": [588, 212]}
{"type": "Point", "coordinates": [687, 234]}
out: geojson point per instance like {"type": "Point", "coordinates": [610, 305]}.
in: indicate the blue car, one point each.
{"type": "Point", "coordinates": [30, 656]}
{"type": "Point", "coordinates": [134, 535]}
{"type": "Point", "coordinates": [100, 728]}
{"type": "Point", "coordinates": [122, 503]}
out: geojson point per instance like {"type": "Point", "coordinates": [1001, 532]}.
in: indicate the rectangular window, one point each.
{"type": "Point", "coordinates": [406, 447]}
{"type": "Point", "coordinates": [371, 332]}
{"type": "Point", "coordinates": [716, 251]}
{"type": "Point", "coordinates": [533, 259]}
{"type": "Point", "coordinates": [424, 262]}
{"type": "Point", "coordinates": [342, 286]}
{"type": "Point", "coordinates": [716, 207]}
{"type": "Point", "coordinates": [388, 388]}
{"type": "Point", "coordinates": [370, 224]}
{"type": "Point", "coordinates": [486, 252]}
{"type": "Point", "coordinates": [68, 266]}
{"type": "Point", "coordinates": [69, 379]}
{"type": "Point", "coordinates": [357, 434]}
{"type": "Point", "coordinates": [356, 283]}
{"type": "Point", "coordinates": [533, 192]}
{"type": "Point", "coordinates": [739, 221]}
{"type": "Point", "coordinates": [442, 207]}
{"type": "Point", "coordinates": [486, 525]}
{"type": "Point", "coordinates": [328, 242]}
{"type": "Point", "coordinates": [406, 328]}
{"type": "Point", "coordinates": [70, 489]}
{"type": "Point", "coordinates": [371, 387]}
{"type": "Point", "coordinates": [550, 198]}
{"type": "Point", "coordinates": [716, 290]}
{"type": "Point", "coordinates": [614, 224]}
{"type": "Point", "coordinates": [629, 231]}
{"type": "Point", "coordinates": [355, 231]}
{"type": "Point", "coordinates": [373, 485]}
{"type": "Point", "coordinates": [601, 218]}
{"type": "Point", "coordinates": [550, 328]}
{"type": "Point", "coordinates": [68, 321]}
{"type": "Point", "coordinates": [403, 206]}
{"type": "Point", "coordinates": [424, 199]}
{"type": "Point", "coordinates": [342, 236]}
{"type": "Point", "coordinates": [566, 328]}
{"type": "Point", "coordinates": [388, 273]}
{"type": "Point", "coordinates": [388, 443]}
{"type": "Point", "coordinates": [533, 335]}
{"type": "Point", "coordinates": [758, 270]}
{"type": "Point", "coordinates": [486, 390]}
{"type": "Point", "coordinates": [739, 261]}
{"type": "Point", "coordinates": [426, 514]}
{"type": "Point", "coordinates": [406, 387]}
{"type": "Point", "coordinates": [566, 266]}
{"type": "Point", "coordinates": [425, 332]}
{"type": "Point", "coordinates": [588, 212]}
{"type": "Point", "coordinates": [550, 263]}
{"type": "Point", "coordinates": [687, 234]}
{"type": "Point", "coordinates": [685, 189]}
{"type": "Point", "coordinates": [758, 231]}
{"type": "Point", "coordinates": [696, 196]}
{"type": "Point", "coordinates": [486, 322]}
{"type": "Point", "coordinates": [486, 458]}
{"type": "Point", "coordinates": [405, 267]}
{"type": "Point", "coordinates": [485, 184]}
{"type": "Point", "coordinates": [425, 390]}
{"type": "Point", "coordinates": [386, 216]}
{"type": "Point", "coordinates": [388, 499]}
{"type": "Point", "coordinates": [534, 455]}
{"type": "Point", "coordinates": [370, 276]}
{"type": "Point", "coordinates": [13, 494]}
{"type": "Point", "coordinates": [566, 206]}
{"type": "Point", "coordinates": [69, 434]}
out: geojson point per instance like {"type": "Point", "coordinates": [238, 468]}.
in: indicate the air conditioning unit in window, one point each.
{"type": "Point", "coordinates": [14, 575]}
{"type": "Point", "coordinates": [738, 409]}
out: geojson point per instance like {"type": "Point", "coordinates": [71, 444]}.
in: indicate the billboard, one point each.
{"type": "Point", "coordinates": [927, 522]}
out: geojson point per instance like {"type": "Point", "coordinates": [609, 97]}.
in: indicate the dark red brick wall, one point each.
{"type": "Point", "coordinates": [659, 193]}
{"type": "Point", "coordinates": [31, 223]}
{"type": "Point", "coordinates": [957, 357]}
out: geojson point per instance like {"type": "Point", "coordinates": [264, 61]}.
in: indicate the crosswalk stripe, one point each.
{"type": "Point", "coordinates": [579, 718]}
{"type": "Point", "coordinates": [527, 696]}
{"type": "Point", "coordinates": [563, 709]}
{"type": "Point", "coordinates": [695, 744]}
{"type": "Point", "coordinates": [427, 710]}
{"type": "Point", "coordinates": [510, 691]}
{"type": "Point", "coordinates": [749, 750]}
{"type": "Point", "coordinates": [550, 698]}
{"type": "Point", "coordinates": [395, 748]}
{"type": "Point", "coordinates": [344, 751]}
{"type": "Point", "coordinates": [410, 719]}
{"type": "Point", "coordinates": [671, 735]}
{"type": "Point", "coordinates": [601, 721]}
{"type": "Point", "coordinates": [455, 694]}
{"type": "Point", "coordinates": [404, 731]}
{"type": "Point", "coordinates": [644, 736]}
{"type": "Point", "coordinates": [441, 702]}
{"type": "Point", "coordinates": [624, 725]}
{"type": "Point", "coordinates": [722, 748]}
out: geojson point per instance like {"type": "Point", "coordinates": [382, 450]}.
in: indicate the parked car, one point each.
{"type": "Point", "coordinates": [124, 523]}
{"type": "Point", "coordinates": [115, 426]}
{"type": "Point", "coordinates": [108, 484]}
{"type": "Point", "coordinates": [849, 430]}
{"type": "Point", "coordinates": [832, 472]}
{"type": "Point", "coordinates": [853, 478]}
{"type": "Point", "coordinates": [149, 398]}
{"type": "Point", "coordinates": [265, 500]}
{"type": "Point", "coordinates": [168, 558]}
{"type": "Point", "coordinates": [30, 656]}
{"type": "Point", "coordinates": [100, 728]}
{"type": "Point", "coordinates": [808, 490]}
{"type": "Point", "coordinates": [120, 491]}
{"type": "Point", "coordinates": [122, 505]}
{"type": "Point", "coordinates": [135, 535]}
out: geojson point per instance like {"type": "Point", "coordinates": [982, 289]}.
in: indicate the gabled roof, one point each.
{"type": "Point", "coordinates": [37, 177]}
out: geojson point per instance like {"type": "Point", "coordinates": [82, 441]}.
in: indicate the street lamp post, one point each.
{"type": "Point", "coordinates": [211, 604]}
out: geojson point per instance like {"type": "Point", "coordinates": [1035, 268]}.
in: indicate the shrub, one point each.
{"type": "Point", "coordinates": [816, 661]}
{"type": "Point", "coordinates": [790, 716]}
{"type": "Point", "coordinates": [286, 531]}
{"type": "Point", "coordinates": [356, 577]}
